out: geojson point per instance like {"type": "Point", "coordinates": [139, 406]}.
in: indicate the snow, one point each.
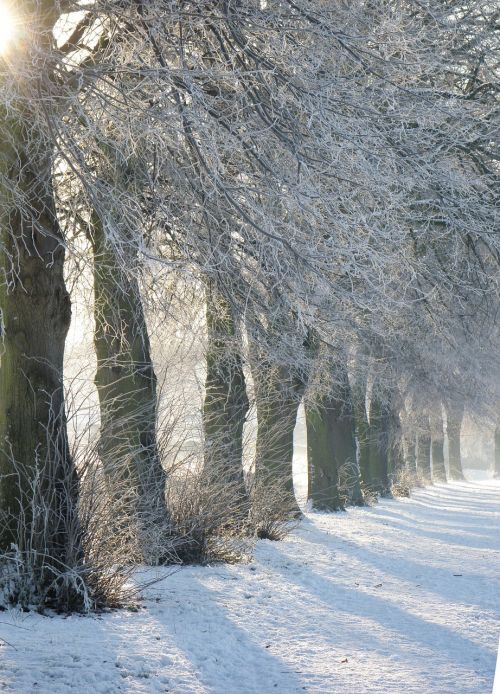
{"type": "Point", "coordinates": [496, 683]}
{"type": "Point", "coordinates": [401, 597]}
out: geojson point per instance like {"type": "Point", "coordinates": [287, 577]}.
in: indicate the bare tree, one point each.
{"type": "Point", "coordinates": [35, 304]}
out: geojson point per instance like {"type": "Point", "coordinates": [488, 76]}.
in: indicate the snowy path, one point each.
{"type": "Point", "coordinates": [403, 597]}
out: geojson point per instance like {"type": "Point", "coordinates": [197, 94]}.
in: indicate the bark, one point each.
{"type": "Point", "coordinates": [323, 464]}
{"type": "Point", "coordinates": [126, 385]}
{"type": "Point", "coordinates": [38, 481]}
{"type": "Point", "coordinates": [409, 434]}
{"type": "Point", "coordinates": [437, 443]}
{"type": "Point", "coordinates": [331, 449]}
{"type": "Point", "coordinates": [362, 430]}
{"type": "Point", "coordinates": [278, 392]}
{"type": "Point", "coordinates": [226, 403]}
{"type": "Point", "coordinates": [454, 418]}
{"type": "Point", "coordinates": [410, 450]}
{"type": "Point", "coordinates": [379, 441]}
{"type": "Point", "coordinates": [396, 460]}
{"type": "Point", "coordinates": [424, 447]}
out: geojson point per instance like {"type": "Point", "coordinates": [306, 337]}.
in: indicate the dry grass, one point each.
{"type": "Point", "coordinates": [208, 516]}
{"type": "Point", "coordinates": [274, 512]}
{"type": "Point", "coordinates": [405, 480]}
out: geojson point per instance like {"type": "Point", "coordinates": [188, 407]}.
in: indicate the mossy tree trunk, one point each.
{"type": "Point", "coordinates": [278, 392]}
{"type": "Point", "coordinates": [410, 450]}
{"type": "Point", "coordinates": [126, 385]}
{"type": "Point", "coordinates": [225, 405]}
{"type": "Point", "coordinates": [437, 443]}
{"type": "Point", "coordinates": [322, 462]}
{"type": "Point", "coordinates": [362, 429]}
{"type": "Point", "coordinates": [396, 461]}
{"type": "Point", "coordinates": [38, 482]}
{"type": "Point", "coordinates": [454, 418]}
{"type": "Point", "coordinates": [379, 442]}
{"type": "Point", "coordinates": [36, 313]}
{"type": "Point", "coordinates": [331, 448]}
{"type": "Point", "coordinates": [424, 446]}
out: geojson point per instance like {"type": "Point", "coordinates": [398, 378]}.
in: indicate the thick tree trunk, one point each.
{"type": "Point", "coordinates": [331, 449]}
{"type": "Point", "coordinates": [424, 449]}
{"type": "Point", "coordinates": [322, 456]}
{"type": "Point", "coordinates": [409, 435]}
{"type": "Point", "coordinates": [226, 403]}
{"type": "Point", "coordinates": [379, 442]}
{"type": "Point", "coordinates": [35, 464]}
{"type": "Point", "coordinates": [396, 461]}
{"type": "Point", "coordinates": [126, 385]}
{"type": "Point", "coordinates": [362, 430]}
{"type": "Point", "coordinates": [410, 450]}
{"type": "Point", "coordinates": [277, 396]}
{"type": "Point", "coordinates": [454, 418]}
{"type": "Point", "coordinates": [347, 421]}
{"type": "Point", "coordinates": [437, 445]}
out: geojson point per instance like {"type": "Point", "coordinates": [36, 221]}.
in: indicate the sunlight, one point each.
{"type": "Point", "coordinates": [8, 26]}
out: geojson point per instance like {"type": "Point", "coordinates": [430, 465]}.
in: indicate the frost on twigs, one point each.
{"type": "Point", "coordinates": [208, 516]}
{"type": "Point", "coordinates": [274, 511]}
{"type": "Point", "coordinates": [405, 480]}
{"type": "Point", "coordinates": [81, 558]}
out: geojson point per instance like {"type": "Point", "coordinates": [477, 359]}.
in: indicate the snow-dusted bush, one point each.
{"type": "Point", "coordinates": [83, 557]}
{"type": "Point", "coordinates": [273, 513]}
{"type": "Point", "coordinates": [405, 480]}
{"type": "Point", "coordinates": [208, 516]}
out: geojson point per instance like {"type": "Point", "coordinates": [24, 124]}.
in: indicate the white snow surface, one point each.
{"type": "Point", "coordinates": [402, 597]}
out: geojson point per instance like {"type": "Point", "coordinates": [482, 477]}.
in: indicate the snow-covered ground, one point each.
{"type": "Point", "coordinates": [403, 597]}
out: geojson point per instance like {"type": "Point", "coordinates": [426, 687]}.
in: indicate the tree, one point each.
{"type": "Point", "coordinates": [331, 444]}
{"type": "Point", "coordinates": [437, 442]}
{"type": "Point", "coordinates": [362, 427]}
{"type": "Point", "coordinates": [126, 385]}
{"type": "Point", "coordinates": [226, 403]}
{"type": "Point", "coordinates": [379, 440]}
{"type": "Point", "coordinates": [424, 443]}
{"type": "Point", "coordinates": [278, 392]}
{"type": "Point", "coordinates": [454, 417]}
{"type": "Point", "coordinates": [36, 310]}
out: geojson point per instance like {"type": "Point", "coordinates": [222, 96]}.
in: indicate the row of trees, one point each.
{"type": "Point", "coordinates": [320, 182]}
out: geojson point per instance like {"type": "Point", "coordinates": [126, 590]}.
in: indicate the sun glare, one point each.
{"type": "Point", "coordinates": [8, 27]}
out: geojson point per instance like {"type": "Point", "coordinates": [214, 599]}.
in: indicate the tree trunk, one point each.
{"type": "Point", "coordinates": [226, 403]}
{"type": "Point", "coordinates": [347, 421]}
{"type": "Point", "coordinates": [454, 418]}
{"type": "Point", "coordinates": [323, 456]}
{"type": "Point", "coordinates": [362, 431]}
{"type": "Point", "coordinates": [277, 395]}
{"type": "Point", "coordinates": [410, 450]}
{"type": "Point", "coordinates": [379, 442]}
{"type": "Point", "coordinates": [35, 465]}
{"type": "Point", "coordinates": [126, 385]}
{"type": "Point", "coordinates": [396, 460]}
{"type": "Point", "coordinates": [424, 450]}
{"type": "Point", "coordinates": [437, 445]}
{"type": "Point", "coordinates": [331, 449]}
